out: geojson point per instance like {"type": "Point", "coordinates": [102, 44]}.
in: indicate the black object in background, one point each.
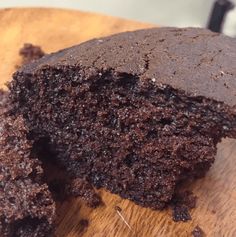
{"type": "Point", "coordinates": [219, 11]}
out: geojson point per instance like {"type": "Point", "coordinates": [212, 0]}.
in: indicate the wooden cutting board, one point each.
{"type": "Point", "coordinates": [216, 205]}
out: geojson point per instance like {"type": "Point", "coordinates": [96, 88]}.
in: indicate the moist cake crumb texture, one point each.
{"type": "Point", "coordinates": [61, 184]}
{"type": "Point", "coordinates": [136, 113]}
{"type": "Point", "coordinates": [26, 206]}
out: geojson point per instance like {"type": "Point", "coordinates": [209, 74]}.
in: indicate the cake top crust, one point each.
{"type": "Point", "coordinates": [195, 60]}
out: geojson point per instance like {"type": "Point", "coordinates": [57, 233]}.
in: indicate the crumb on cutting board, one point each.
{"type": "Point", "coordinates": [117, 208]}
{"type": "Point", "coordinates": [181, 213]}
{"type": "Point", "coordinates": [180, 204]}
{"type": "Point", "coordinates": [198, 232]}
{"type": "Point", "coordinates": [83, 224]}
{"type": "Point", "coordinates": [30, 52]}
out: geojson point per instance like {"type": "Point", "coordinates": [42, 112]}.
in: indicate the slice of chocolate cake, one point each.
{"type": "Point", "coordinates": [26, 206]}
{"type": "Point", "coordinates": [137, 112]}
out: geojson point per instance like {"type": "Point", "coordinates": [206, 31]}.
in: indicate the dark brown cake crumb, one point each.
{"type": "Point", "coordinates": [181, 213]}
{"type": "Point", "coordinates": [117, 208]}
{"type": "Point", "coordinates": [84, 223]}
{"type": "Point", "coordinates": [30, 52]}
{"type": "Point", "coordinates": [81, 188]}
{"type": "Point", "coordinates": [181, 203]}
{"type": "Point", "coordinates": [198, 232]}
{"type": "Point", "coordinates": [82, 226]}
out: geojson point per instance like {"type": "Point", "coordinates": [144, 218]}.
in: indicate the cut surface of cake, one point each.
{"type": "Point", "coordinates": [26, 205]}
{"type": "Point", "coordinates": [136, 113]}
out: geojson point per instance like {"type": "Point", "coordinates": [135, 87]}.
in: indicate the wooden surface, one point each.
{"type": "Point", "coordinates": [216, 206]}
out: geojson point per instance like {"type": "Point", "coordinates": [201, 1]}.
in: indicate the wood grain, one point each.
{"type": "Point", "coordinates": [216, 207]}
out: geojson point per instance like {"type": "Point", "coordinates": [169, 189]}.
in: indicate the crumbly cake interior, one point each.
{"type": "Point", "coordinates": [26, 205]}
{"type": "Point", "coordinates": [134, 137]}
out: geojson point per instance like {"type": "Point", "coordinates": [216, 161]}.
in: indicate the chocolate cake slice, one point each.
{"type": "Point", "coordinates": [26, 206]}
{"type": "Point", "coordinates": [136, 113]}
